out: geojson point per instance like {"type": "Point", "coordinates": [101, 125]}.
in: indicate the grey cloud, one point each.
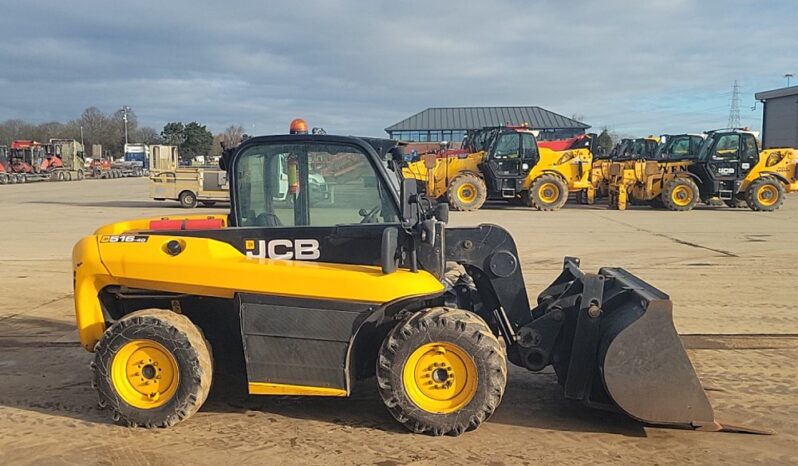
{"type": "Point", "coordinates": [356, 67]}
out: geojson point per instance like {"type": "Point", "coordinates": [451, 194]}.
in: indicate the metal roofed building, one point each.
{"type": "Point", "coordinates": [779, 117]}
{"type": "Point", "coordinates": [451, 123]}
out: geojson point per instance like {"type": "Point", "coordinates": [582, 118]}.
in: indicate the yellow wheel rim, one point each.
{"type": "Point", "coordinates": [767, 195]}
{"type": "Point", "coordinates": [144, 374]}
{"type": "Point", "coordinates": [467, 193]}
{"type": "Point", "coordinates": [440, 377]}
{"type": "Point", "coordinates": [549, 193]}
{"type": "Point", "coordinates": [682, 196]}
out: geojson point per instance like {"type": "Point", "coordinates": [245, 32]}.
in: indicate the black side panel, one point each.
{"type": "Point", "coordinates": [349, 244]}
{"type": "Point", "coordinates": [298, 341]}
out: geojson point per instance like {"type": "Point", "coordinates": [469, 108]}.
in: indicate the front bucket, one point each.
{"type": "Point", "coordinates": [646, 370]}
{"type": "Point", "coordinates": [618, 346]}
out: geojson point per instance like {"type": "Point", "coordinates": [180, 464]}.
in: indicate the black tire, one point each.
{"type": "Point", "coordinates": [548, 192]}
{"type": "Point", "coordinates": [60, 176]}
{"type": "Point", "coordinates": [467, 192]}
{"type": "Point", "coordinates": [208, 203]}
{"type": "Point", "coordinates": [188, 200]}
{"type": "Point", "coordinates": [186, 344]}
{"type": "Point", "coordinates": [12, 178]}
{"type": "Point", "coordinates": [3, 178]}
{"type": "Point", "coordinates": [460, 329]}
{"type": "Point", "coordinates": [765, 194]}
{"type": "Point", "coordinates": [680, 194]}
{"type": "Point", "coordinates": [23, 178]}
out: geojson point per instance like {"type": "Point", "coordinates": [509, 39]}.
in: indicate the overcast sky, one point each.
{"type": "Point", "coordinates": [356, 67]}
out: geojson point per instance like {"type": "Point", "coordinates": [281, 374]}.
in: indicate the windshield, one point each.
{"type": "Point", "coordinates": [703, 154]}
{"type": "Point", "coordinates": [307, 183]}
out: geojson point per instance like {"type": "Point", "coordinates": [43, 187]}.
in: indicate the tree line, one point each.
{"type": "Point", "coordinates": [94, 126]}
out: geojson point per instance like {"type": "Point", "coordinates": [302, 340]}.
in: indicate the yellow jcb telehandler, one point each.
{"type": "Point", "coordinates": [304, 299]}
{"type": "Point", "coordinates": [508, 165]}
{"type": "Point", "coordinates": [729, 167]}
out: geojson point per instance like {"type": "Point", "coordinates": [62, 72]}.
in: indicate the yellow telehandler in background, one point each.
{"type": "Point", "coordinates": [729, 167]}
{"type": "Point", "coordinates": [507, 164]}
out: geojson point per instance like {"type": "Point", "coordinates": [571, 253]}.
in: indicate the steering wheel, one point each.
{"type": "Point", "coordinates": [369, 216]}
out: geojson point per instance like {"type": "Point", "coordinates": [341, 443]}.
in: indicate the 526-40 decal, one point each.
{"type": "Point", "coordinates": [124, 238]}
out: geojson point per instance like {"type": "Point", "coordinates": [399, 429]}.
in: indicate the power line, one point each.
{"type": "Point", "coordinates": [734, 108]}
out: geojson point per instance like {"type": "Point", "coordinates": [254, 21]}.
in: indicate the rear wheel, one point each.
{"type": "Point", "coordinates": [3, 178]}
{"type": "Point", "coordinates": [548, 192]}
{"type": "Point", "coordinates": [467, 192]}
{"type": "Point", "coordinates": [81, 174]}
{"type": "Point", "coordinates": [152, 368]}
{"type": "Point", "coordinates": [765, 194]}
{"type": "Point", "coordinates": [680, 194]}
{"type": "Point", "coordinates": [188, 200]}
{"type": "Point", "coordinates": [441, 371]}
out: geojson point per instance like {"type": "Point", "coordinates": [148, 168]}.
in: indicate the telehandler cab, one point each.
{"type": "Point", "coordinates": [304, 299]}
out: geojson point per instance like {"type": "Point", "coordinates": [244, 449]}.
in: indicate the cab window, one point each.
{"type": "Point", "coordinates": [508, 146]}
{"type": "Point", "coordinates": [727, 147]}
{"type": "Point", "coordinates": [750, 151]}
{"type": "Point", "coordinates": [309, 184]}
{"type": "Point", "coordinates": [530, 147]}
{"type": "Point", "coordinates": [681, 147]}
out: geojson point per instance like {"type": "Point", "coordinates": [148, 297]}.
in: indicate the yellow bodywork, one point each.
{"type": "Point", "coordinates": [265, 388]}
{"type": "Point", "coordinates": [780, 161]}
{"type": "Point", "coordinates": [641, 180]}
{"type": "Point", "coordinates": [600, 175]}
{"type": "Point", "coordinates": [208, 267]}
{"type": "Point", "coordinates": [573, 166]}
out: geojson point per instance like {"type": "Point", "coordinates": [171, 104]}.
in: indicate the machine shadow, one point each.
{"type": "Point", "coordinates": [129, 204]}
{"type": "Point", "coordinates": [534, 401]}
{"type": "Point", "coordinates": [570, 205]}
{"type": "Point", "coordinates": [43, 369]}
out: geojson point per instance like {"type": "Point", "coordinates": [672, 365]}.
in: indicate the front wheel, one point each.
{"type": "Point", "coordinates": [152, 368]}
{"type": "Point", "coordinates": [680, 194]}
{"type": "Point", "coordinates": [441, 372]}
{"type": "Point", "coordinates": [765, 194]}
{"type": "Point", "coordinates": [548, 192]}
{"type": "Point", "coordinates": [188, 200]}
{"type": "Point", "coordinates": [467, 192]}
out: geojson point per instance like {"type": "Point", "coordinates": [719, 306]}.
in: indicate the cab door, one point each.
{"type": "Point", "coordinates": [729, 161]}
{"type": "Point", "coordinates": [503, 169]}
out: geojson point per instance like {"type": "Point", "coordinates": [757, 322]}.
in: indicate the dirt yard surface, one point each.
{"type": "Point", "coordinates": [730, 273]}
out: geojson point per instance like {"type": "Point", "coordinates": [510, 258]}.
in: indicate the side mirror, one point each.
{"type": "Point", "coordinates": [409, 199]}
{"type": "Point", "coordinates": [390, 242]}
{"type": "Point", "coordinates": [442, 212]}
